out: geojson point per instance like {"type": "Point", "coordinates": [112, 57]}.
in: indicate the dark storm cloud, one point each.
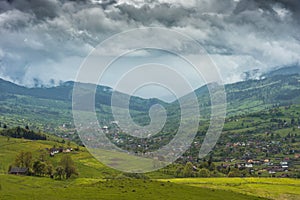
{"type": "Point", "coordinates": [4, 5]}
{"type": "Point", "coordinates": [239, 35]}
{"type": "Point", "coordinates": [291, 5]}
{"type": "Point", "coordinates": [40, 8]}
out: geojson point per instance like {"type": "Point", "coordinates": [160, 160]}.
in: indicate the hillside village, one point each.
{"type": "Point", "coordinates": [256, 145]}
{"type": "Point", "coordinates": [263, 143]}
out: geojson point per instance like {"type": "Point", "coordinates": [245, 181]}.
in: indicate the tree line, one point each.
{"type": "Point", "coordinates": [25, 133]}
{"type": "Point", "coordinates": [42, 167]}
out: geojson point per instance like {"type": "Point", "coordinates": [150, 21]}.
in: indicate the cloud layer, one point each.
{"type": "Point", "coordinates": [48, 39]}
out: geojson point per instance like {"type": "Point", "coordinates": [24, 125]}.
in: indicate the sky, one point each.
{"type": "Point", "coordinates": [44, 42]}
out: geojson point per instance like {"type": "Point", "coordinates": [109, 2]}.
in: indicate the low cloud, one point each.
{"type": "Point", "coordinates": [48, 39]}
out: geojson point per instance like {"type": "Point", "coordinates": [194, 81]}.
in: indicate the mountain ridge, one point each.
{"type": "Point", "coordinates": [245, 96]}
{"type": "Point", "coordinates": [64, 90]}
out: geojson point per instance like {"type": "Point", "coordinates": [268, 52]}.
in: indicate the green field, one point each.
{"type": "Point", "coordinates": [272, 188]}
{"type": "Point", "coordinates": [14, 187]}
{"type": "Point", "coordinates": [87, 165]}
{"type": "Point", "coordinates": [96, 181]}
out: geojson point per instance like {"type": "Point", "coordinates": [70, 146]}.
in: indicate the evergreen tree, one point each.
{"type": "Point", "coordinates": [68, 165]}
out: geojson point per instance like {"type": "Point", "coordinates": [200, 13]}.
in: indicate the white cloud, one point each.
{"type": "Point", "coordinates": [239, 35]}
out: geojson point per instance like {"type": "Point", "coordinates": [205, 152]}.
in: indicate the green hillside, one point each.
{"type": "Point", "coordinates": [13, 187]}
{"type": "Point", "coordinates": [39, 107]}
{"type": "Point", "coordinates": [95, 181]}
{"type": "Point", "coordinates": [86, 164]}
{"type": "Point", "coordinates": [260, 138]}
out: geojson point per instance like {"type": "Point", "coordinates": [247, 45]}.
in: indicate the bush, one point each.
{"type": "Point", "coordinates": [204, 173]}
{"type": "Point", "coordinates": [234, 174]}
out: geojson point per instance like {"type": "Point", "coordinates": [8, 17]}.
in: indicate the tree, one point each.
{"type": "Point", "coordinates": [179, 171]}
{"type": "Point", "coordinates": [23, 159]}
{"type": "Point", "coordinates": [234, 173]}
{"type": "Point", "coordinates": [28, 159]}
{"type": "Point", "coordinates": [209, 162]}
{"type": "Point", "coordinates": [68, 165]}
{"type": "Point", "coordinates": [204, 173]}
{"type": "Point", "coordinates": [43, 155]}
{"type": "Point", "coordinates": [205, 164]}
{"type": "Point", "coordinates": [188, 170]}
{"type": "Point", "coordinates": [49, 169]}
{"type": "Point", "coordinates": [59, 172]}
{"type": "Point", "coordinates": [39, 168]}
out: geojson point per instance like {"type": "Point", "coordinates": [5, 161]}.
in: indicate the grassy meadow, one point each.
{"type": "Point", "coordinates": [271, 188]}
{"type": "Point", "coordinates": [18, 187]}
{"type": "Point", "coordinates": [96, 181]}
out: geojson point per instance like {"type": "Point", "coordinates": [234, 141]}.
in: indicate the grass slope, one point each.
{"type": "Point", "coordinates": [87, 165]}
{"type": "Point", "coordinates": [14, 187]}
{"type": "Point", "coordinates": [273, 188]}
{"type": "Point", "coordinates": [93, 181]}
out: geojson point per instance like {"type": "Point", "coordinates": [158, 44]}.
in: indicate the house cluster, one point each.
{"type": "Point", "coordinates": [281, 167]}
{"type": "Point", "coordinates": [262, 165]}
{"type": "Point", "coordinates": [263, 156]}
{"type": "Point", "coordinates": [52, 151]}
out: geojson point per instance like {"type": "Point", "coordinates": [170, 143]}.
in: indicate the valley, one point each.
{"type": "Point", "coordinates": [260, 143]}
